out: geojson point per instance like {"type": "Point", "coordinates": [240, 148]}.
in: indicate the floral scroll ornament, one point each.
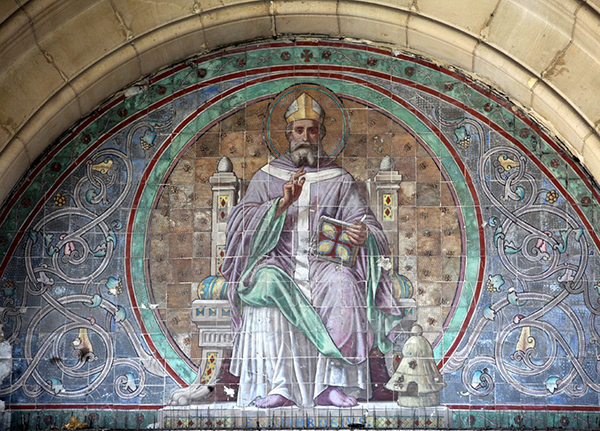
{"type": "Point", "coordinates": [64, 271]}
{"type": "Point", "coordinates": [533, 253]}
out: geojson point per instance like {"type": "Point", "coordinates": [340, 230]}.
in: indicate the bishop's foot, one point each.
{"type": "Point", "coordinates": [333, 396]}
{"type": "Point", "coordinates": [272, 401]}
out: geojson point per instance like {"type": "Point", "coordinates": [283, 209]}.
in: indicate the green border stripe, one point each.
{"type": "Point", "coordinates": [273, 87]}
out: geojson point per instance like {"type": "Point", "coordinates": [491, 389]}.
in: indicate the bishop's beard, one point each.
{"type": "Point", "coordinates": [306, 155]}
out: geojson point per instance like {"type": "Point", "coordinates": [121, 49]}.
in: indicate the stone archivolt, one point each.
{"type": "Point", "coordinates": [60, 59]}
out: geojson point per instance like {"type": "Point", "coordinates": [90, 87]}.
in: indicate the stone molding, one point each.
{"type": "Point", "coordinates": [60, 59]}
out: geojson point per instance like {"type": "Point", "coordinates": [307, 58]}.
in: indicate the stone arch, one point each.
{"type": "Point", "coordinates": [60, 59]}
{"type": "Point", "coordinates": [43, 107]}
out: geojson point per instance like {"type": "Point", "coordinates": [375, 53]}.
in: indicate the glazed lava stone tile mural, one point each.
{"type": "Point", "coordinates": [429, 233]}
{"type": "Point", "coordinates": [303, 235]}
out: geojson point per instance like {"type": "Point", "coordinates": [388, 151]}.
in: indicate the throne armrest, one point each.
{"type": "Point", "coordinates": [211, 313]}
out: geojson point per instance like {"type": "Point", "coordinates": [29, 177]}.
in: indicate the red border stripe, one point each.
{"type": "Point", "coordinates": [307, 73]}
{"type": "Point", "coordinates": [320, 67]}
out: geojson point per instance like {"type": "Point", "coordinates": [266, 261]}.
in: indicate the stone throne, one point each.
{"type": "Point", "coordinates": [211, 312]}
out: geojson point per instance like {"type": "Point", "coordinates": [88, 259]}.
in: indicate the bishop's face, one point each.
{"type": "Point", "coordinates": [305, 143]}
{"type": "Point", "coordinates": [304, 133]}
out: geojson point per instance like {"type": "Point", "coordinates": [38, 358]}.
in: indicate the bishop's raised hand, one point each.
{"type": "Point", "coordinates": [291, 191]}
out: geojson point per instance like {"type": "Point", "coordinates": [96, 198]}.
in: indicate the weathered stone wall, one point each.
{"type": "Point", "coordinates": [488, 110]}
{"type": "Point", "coordinates": [59, 59]}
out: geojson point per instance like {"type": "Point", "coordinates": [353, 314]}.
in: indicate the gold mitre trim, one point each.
{"type": "Point", "coordinates": [304, 108]}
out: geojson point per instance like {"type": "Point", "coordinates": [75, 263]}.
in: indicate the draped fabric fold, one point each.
{"type": "Point", "coordinates": [344, 312]}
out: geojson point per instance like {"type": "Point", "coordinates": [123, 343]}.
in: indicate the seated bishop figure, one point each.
{"type": "Point", "coordinates": [304, 325]}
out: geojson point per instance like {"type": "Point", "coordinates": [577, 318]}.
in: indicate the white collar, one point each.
{"type": "Point", "coordinates": [311, 177]}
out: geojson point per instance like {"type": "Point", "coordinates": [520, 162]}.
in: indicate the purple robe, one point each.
{"type": "Point", "coordinates": [337, 293]}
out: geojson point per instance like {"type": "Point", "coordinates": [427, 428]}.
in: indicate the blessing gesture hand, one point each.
{"type": "Point", "coordinates": [291, 191]}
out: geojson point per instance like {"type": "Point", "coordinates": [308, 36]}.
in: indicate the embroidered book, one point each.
{"type": "Point", "coordinates": [331, 242]}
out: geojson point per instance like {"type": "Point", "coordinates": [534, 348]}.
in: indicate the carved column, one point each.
{"type": "Point", "coordinates": [384, 201]}
{"type": "Point", "coordinates": [211, 312]}
{"type": "Point", "coordinates": [225, 186]}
